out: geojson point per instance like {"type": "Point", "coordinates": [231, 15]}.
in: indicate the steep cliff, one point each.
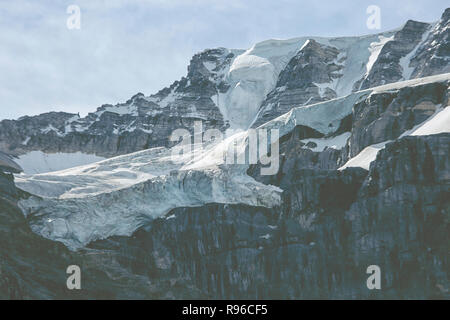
{"type": "Point", "coordinates": [361, 178]}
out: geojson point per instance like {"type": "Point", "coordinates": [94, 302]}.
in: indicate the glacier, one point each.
{"type": "Point", "coordinates": [253, 73]}
{"type": "Point", "coordinates": [118, 195]}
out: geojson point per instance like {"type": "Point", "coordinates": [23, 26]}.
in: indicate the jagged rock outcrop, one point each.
{"type": "Point", "coordinates": [32, 267]}
{"type": "Point", "coordinates": [432, 57]}
{"type": "Point", "coordinates": [300, 82]}
{"type": "Point", "coordinates": [416, 50]}
{"type": "Point", "coordinates": [331, 226]}
{"type": "Point", "coordinates": [137, 124]}
{"type": "Point", "coordinates": [8, 165]}
{"type": "Point", "coordinates": [296, 155]}
{"type": "Point", "coordinates": [387, 68]}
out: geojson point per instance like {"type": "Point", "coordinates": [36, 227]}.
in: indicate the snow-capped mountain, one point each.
{"type": "Point", "coordinates": [361, 135]}
{"type": "Point", "coordinates": [232, 89]}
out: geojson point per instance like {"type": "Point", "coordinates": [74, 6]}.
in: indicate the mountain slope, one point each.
{"type": "Point", "coordinates": [360, 177]}
{"type": "Point", "coordinates": [234, 89]}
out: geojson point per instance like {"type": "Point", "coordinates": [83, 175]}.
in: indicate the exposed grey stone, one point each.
{"type": "Point", "coordinates": [387, 67]}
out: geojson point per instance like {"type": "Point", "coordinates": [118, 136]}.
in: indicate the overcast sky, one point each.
{"type": "Point", "coordinates": [129, 46]}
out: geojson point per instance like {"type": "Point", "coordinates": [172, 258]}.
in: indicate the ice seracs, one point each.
{"type": "Point", "coordinates": [8, 164]}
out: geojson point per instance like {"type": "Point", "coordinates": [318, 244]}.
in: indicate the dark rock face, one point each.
{"type": "Point", "coordinates": [386, 115]}
{"type": "Point", "coordinates": [387, 68]}
{"type": "Point", "coordinates": [426, 49]}
{"type": "Point", "coordinates": [310, 76]}
{"type": "Point", "coordinates": [32, 267]}
{"type": "Point", "coordinates": [140, 123]}
{"type": "Point", "coordinates": [433, 56]}
{"type": "Point", "coordinates": [14, 133]}
{"type": "Point", "coordinates": [299, 83]}
{"type": "Point", "coordinates": [25, 268]}
{"type": "Point", "coordinates": [402, 216]}
{"type": "Point", "coordinates": [331, 226]}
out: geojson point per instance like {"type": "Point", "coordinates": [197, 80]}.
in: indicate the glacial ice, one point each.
{"type": "Point", "coordinates": [118, 195]}
{"type": "Point", "coordinates": [253, 73]}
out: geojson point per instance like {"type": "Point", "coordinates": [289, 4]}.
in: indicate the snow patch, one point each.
{"type": "Point", "coordinates": [25, 142]}
{"type": "Point", "coordinates": [39, 162]}
{"type": "Point", "coordinates": [121, 110]}
{"type": "Point", "coordinates": [324, 117]}
{"type": "Point", "coordinates": [209, 65]}
{"type": "Point", "coordinates": [337, 142]}
{"type": "Point", "coordinates": [118, 195]}
{"type": "Point", "coordinates": [171, 97]}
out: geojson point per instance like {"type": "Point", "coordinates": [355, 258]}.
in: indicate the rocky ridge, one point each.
{"type": "Point", "coordinates": [235, 88]}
